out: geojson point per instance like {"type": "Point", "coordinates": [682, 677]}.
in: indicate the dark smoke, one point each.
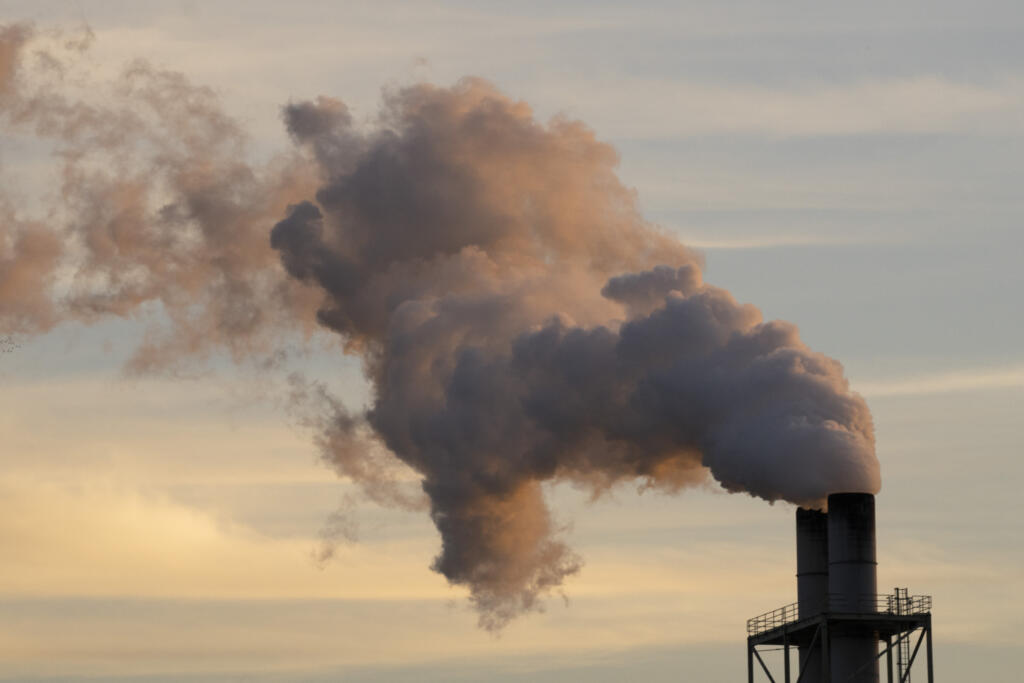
{"type": "Point", "coordinates": [519, 320]}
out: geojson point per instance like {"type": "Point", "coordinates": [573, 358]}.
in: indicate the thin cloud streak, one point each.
{"type": "Point", "coordinates": [135, 542]}
{"type": "Point", "coordinates": [678, 108]}
{"type": "Point", "coordinates": [1008, 377]}
{"type": "Point", "coordinates": [776, 242]}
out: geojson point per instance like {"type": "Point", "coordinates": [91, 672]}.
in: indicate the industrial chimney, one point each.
{"type": "Point", "coordinates": [839, 619]}
{"type": "Point", "coordinates": [852, 585]}
{"type": "Point", "coordinates": [811, 580]}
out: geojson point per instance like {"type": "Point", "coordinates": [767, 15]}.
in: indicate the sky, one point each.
{"type": "Point", "coordinates": [854, 170]}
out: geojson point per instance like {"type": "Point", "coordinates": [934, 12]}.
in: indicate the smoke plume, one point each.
{"type": "Point", "coordinates": [519, 320]}
{"type": "Point", "coordinates": [151, 203]}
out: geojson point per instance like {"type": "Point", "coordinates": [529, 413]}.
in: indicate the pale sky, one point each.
{"type": "Point", "coordinates": [855, 170]}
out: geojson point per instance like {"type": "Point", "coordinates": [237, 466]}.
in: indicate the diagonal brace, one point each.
{"type": "Point", "coordinates": [887, 648]}
{"type": "Point", "coordinates": [763, 666]}
{"type": "Point", "coordinates": [807, 657]}
{"type": "Point", "coordinates": [906, 674]}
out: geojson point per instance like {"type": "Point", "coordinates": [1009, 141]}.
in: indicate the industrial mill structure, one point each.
{"type": "Point", "coordinates": [839, 618]}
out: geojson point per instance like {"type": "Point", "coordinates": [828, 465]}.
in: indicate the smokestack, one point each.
{"type": "Point", "coordinates": [811, 581]}
{"type": "Point", "coordinates": [852, 585]}
{"type": "Point", "coordinates": [839, 620]}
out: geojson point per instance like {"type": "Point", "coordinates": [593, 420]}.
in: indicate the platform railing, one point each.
{"type": "Point", "coordinates": [787, 614]}
{"type": "Point", "coordinates": [891, 604]}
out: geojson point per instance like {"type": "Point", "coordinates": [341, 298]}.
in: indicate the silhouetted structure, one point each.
{"type": "Point", "coordinates": [839, 619]}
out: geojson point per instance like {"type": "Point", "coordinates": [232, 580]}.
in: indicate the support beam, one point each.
{"type": "Point", "coordinates": [810, 649]}
{"type": "Point", "coordinates": [913, 655]}
{"type": "Point", "coordinates": [826, 646]}
{"type": "Point", "coordinates": [888, 658]}
{"type": "Point", "coordinates": [785, 653]}
{"type": "Point", "coordinates": [928, 629]}
{"type": "Point", "coordinates": [813, 638]}
{"type": "Point", "coordinates": [886, 651]}
{"type": "Point", "coordinates": [764, 666]}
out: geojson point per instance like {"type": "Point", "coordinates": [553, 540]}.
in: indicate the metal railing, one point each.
{"type": "Point", "coordinates": [787, 614]}
{"type": "Point", "coordinates": [892, 604]}
{"type": "Point", "coordinates": [909, 604]}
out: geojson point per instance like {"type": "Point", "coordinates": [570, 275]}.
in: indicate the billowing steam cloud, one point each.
{"type": "Point", "coordinates": [519, 320]}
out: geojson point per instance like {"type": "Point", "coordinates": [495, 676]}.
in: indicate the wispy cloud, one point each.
{"type": "Point", "coordinates": [980, 379]}
{"type": "Point", "coordinates": [673, 108]}
{"type": "Point", "coordinates": [114, 540]}
{"type": "Point", "coordinates": [774, 242]}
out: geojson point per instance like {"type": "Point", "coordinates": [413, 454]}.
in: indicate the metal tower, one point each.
{"type": "Point", "coordinates": [839, 620]}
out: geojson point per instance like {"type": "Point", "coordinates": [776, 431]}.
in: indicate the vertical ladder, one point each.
{"type": "Point", "coordinates": [903, 653]}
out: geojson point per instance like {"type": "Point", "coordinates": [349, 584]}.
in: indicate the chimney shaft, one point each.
{"type": "Point", "coordinates": [852, 584]}
{"type": "Point", "coordinates": [811, 581]}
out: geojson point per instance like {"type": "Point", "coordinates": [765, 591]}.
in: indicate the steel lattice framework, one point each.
{"type": "Point", "coordinates": [894, 620]}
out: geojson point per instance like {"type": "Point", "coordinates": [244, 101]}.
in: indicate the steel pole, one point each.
{"type": "Point", "coordinates": [888, 656]}
{"type": "Point", "coordinates": [785, 650]}
{"type": "Point", "coordinates": [928, 630]}
{"type": "Point", "coordinates": [826, 652]}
